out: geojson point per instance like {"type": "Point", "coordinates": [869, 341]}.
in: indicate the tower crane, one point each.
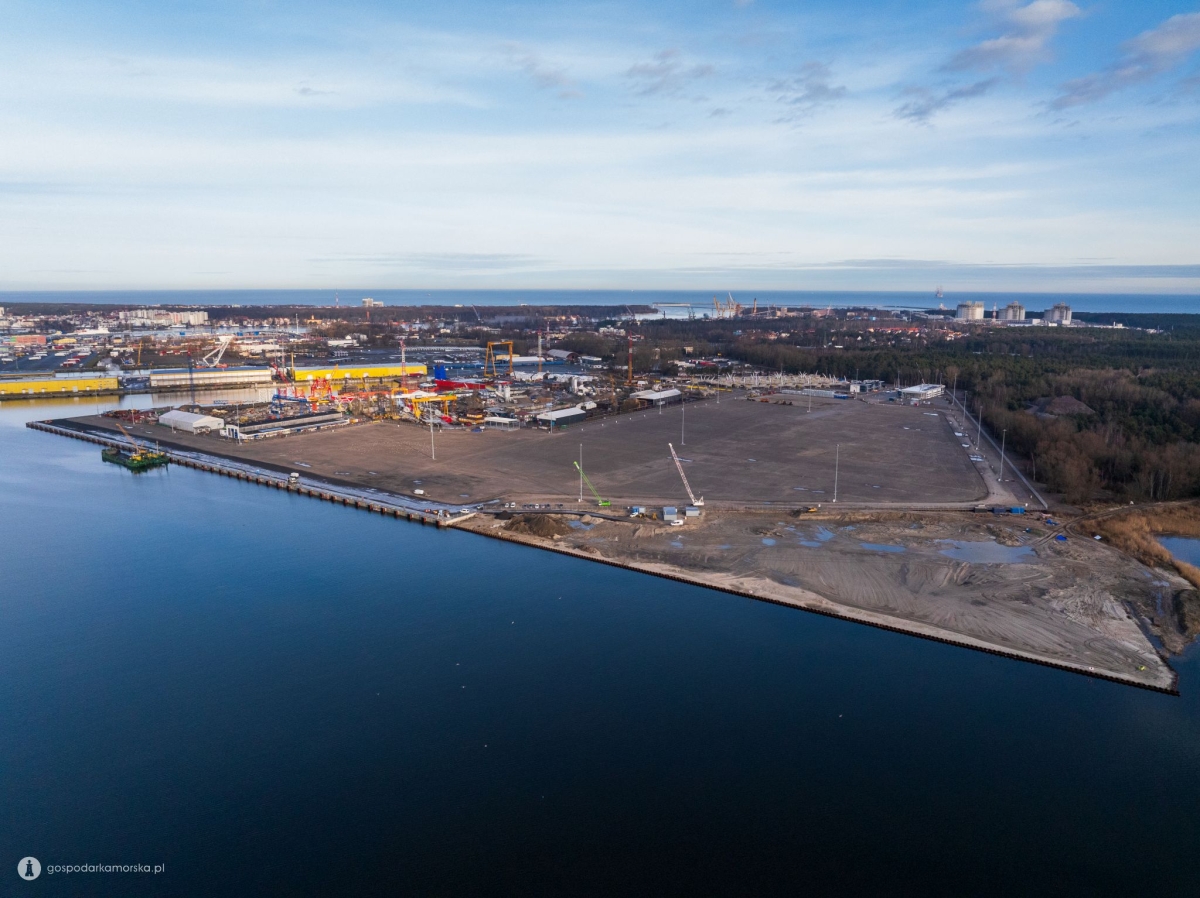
{"type": "Point", "coordinates": [687, 486]}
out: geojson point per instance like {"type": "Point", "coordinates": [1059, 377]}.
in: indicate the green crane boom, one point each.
{"type": "Point", "coordinates": [603, 503]}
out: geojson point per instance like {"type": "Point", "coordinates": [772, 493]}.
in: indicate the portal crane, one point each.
{"type": "Point", "coordinates": [603, 503]}
{"type": "Point", "coordinates": [687, 486]}
{"type": "Point", "coordinates": [489, 359]}
{"type": "Point", "coordinates": [213, 359]}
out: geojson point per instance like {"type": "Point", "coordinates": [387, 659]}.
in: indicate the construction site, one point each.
{"type": "Point", "coordinates": [876, 510]}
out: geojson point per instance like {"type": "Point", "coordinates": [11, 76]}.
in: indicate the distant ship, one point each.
{"type": "Point", "coordinates": [937, 294]}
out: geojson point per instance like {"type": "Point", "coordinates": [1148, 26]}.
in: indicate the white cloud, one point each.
{"type": "Point", "coordinates": [924, 103]}
{"type": "Point", "coordinates": [1024, 43]}
{"type": "Point", "coordinates": [666, 73]}
{"type": "Point", "coordinates": [547, 76]}
{"type": "Point", "coordinates": [1149, 54]}
{"type": "Point", "coordinates": [805, 92]}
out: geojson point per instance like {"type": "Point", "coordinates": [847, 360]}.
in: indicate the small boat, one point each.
{"type": "Point", "coordinates": [135, 460]}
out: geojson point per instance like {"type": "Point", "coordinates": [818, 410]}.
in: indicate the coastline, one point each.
{"type": "Point", "coordinates": [1163, 679]}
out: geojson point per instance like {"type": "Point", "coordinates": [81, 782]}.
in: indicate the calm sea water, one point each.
{"type": "Point", "coordinates": [701, 299]}
{"type": "Point", "coordinates": [274, 696]}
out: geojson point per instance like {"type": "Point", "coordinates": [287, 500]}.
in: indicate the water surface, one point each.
{"type": "Point", "coordinates": [276, 696]}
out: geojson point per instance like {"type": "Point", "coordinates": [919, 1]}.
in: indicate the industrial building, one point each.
{"type": "Point", "coordinates": [562, 417]}
{"type": "Point", "coordinates": [1014, 311]}
{"type": "Point", "coordinates": [922, 392]}
{"type": "Point", "coordinates": [969, 311]}
{"type": "Point", "coordinates": [278, 427]}
{"type": "Point", "coordinates": [499, 423]}
{"type": "Point", "coordinates": [189, 422]}
{"type": "Point", "coordinates": [657, 397]}
{"type": "Point", "coordinates": [358, 372]}
{"type": "Point", "coordinates": [177, 378]}
{"type": "Point", "coordinates": [14, 388]}
{"type": "Point", "coordinates": [1059, 313]}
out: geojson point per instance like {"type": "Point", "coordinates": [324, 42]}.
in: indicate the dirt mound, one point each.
{"type": "Point", "coordinates": [543, 525]}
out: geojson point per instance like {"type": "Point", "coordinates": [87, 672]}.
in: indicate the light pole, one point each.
{"type": "Point", "coordinates": [432, 448]}
{"type": "Point", "coordinates": [837, 458]}
{"type": "Point", "coordinates": [581, 473]}
{"type": "Point", "coordinates": [979, 432]}
{"type": "Point", "coordinates": [1003, 437]}
{"type": "Point", "coordinates": [682, 421]}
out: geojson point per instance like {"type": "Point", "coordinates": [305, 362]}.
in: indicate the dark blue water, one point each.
{"type": "Point", "coordinates": [274, 696]}
{"type": "Point", "coordinates": [702, 299]}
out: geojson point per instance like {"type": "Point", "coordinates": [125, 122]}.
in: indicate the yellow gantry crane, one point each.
{"type": "Point", "coordinates": [490, 357]}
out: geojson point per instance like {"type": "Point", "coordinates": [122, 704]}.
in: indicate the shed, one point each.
{"type": "Point", "coordinates": [189, 422]}
{"type": "Point", "coordinates": [562, 416]}
{"type": "Point", "coordinates": [502, 423]}
{"type": "Point", "coordinates": [657, 397]}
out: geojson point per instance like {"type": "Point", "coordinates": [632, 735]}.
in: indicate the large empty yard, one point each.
{"type": "Point", "coordinates": [735, 452]}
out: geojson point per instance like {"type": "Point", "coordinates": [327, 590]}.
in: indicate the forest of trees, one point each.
{"type": "Point", "coordinates": [1140, 439]}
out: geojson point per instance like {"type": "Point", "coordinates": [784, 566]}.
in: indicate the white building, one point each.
{"type": "Point", "coordinates": [162, 318]}
{"type": "Point", "coordinates": [922, 392]}
{"type": "Point", "coordinates": [190, 423]}
{"type": "Point", "coordinates": [1059, 313]}
{"type": "Point", "coordinates": [658, 397]}
{"type": "Point", "coordinates": [969, 311]}
{"type": "Point", "coordinates": [1014, 311]}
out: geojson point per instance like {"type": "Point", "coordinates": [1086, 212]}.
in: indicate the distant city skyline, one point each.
{"type": "Point", "coordinates": [1000, 145]}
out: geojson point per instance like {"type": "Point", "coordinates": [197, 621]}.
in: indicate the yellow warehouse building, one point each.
{"type": "Point", "coordinates": [49, 386]}
{"type": "Point", "coordinates": [358, 372]}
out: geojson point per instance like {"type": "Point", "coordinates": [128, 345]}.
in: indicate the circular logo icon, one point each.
{"type": "Point", "coordinates": [29, 868]}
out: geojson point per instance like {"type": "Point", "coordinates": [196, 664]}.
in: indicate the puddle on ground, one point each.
{"type": "Point", "coordinates": [677, 544]}
{"type": "Point", "coordinates": [824, 535]}
{"type": "Point", "coordinates": [881, 547]}
{"type": "Point", "coordinates": [579, 525]}
{"type": "Point", "coordinates": [986, 552]}
{"type": "Point", "coordinates": [726, 546]}
{"type": "Point", "coordinates": [810, 544]}
{"type": "Point", "coordinates": [767, 541]}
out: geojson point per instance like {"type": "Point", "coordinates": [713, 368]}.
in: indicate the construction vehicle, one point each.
{"type": "Point", "coordinates": [699, 503]}
{"type": "Point", "coordinates": [602, 503]}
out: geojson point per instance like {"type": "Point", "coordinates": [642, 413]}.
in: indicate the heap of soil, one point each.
{"type": "Point", "coordinates": [543, 525]}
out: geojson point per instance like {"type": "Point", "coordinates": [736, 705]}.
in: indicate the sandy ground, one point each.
{"type": "Point", "coordinates": [735, 452]}
{"type": "Point", "coordinates": [1059, 603]}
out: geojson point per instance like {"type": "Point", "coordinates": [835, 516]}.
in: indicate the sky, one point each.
{"type": "Point", "coordinates": [1051, 145]}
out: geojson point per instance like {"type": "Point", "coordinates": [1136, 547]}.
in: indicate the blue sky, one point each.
{"type": "Point", "coordinates": [998, 145]}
